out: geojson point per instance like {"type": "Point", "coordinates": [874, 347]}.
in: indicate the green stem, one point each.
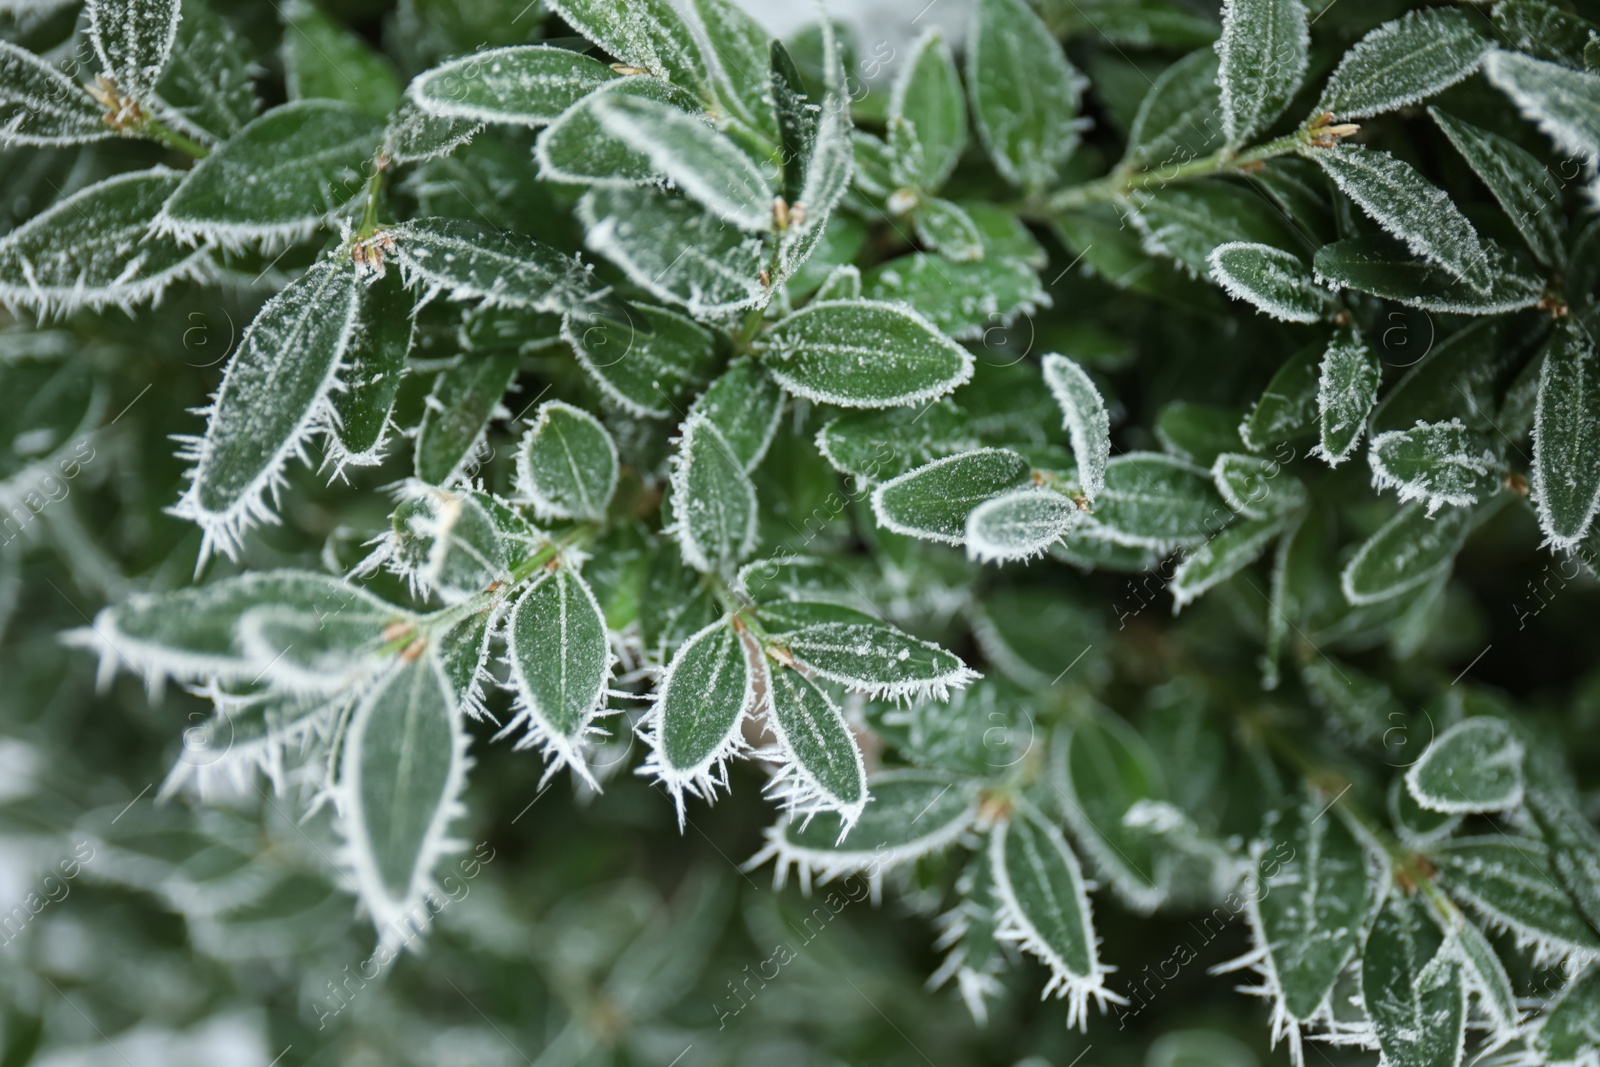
{"type": "Point", "coordinates": [578, 535]}
{"type": "Point", "coordinates": [1116, 185]}
{"type": "Point", "coordinates": [157, 130]}
{"type": "Point", "coordinates": [369, 213]}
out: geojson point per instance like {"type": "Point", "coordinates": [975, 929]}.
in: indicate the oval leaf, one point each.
{"type": "Point", "coordinates": [863, 354]}
{"type": "Point", "coordinates": [1475, 766]}
{"type": "Point", "coordinates": [567, 464]}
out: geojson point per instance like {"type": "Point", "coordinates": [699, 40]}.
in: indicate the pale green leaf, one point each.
{"type": "Point", "coordinates": [465, 397]}
{"type": "Point", "coordinates": [737, 57]}
{"type": "Point", "coordinates": [822, 769]}
{"type": "Point", "coordinates": [1254, 486]}
{"type": "Point", "coordinates": [933, 501]}
{"type": "Point", "coordinates": [1178, 121]}
{"type": "Point", "coordinates": [1263, 58]}
{"type": "Point", "coordinates": [325, 60]}
{"type": "Point", "coordinates": [1412, 990]}
{"type": "Point", "coordinates": [744, 404]}
{"type": "Point", "coordinates": [873, 446]}
{"type": "Point", "coordinates": [713, 500]}
{"type": "Point", "coordinates": [700, 708]}
{"type": "Point", "coordinates": [649, 368]}
{"type": "Point", "coordinates": [947, 229]}
{"type": "Point", "coordinates": [567, 463]}
{"type": "Point", "coordinates": [1565, 1036]}
{"type": "Point", "coordinates": [1523, 186]}
{"type": "Point", "coordinates": [527, 85]}
{"type": "Point", "coordinates": [1084, 417]}
{"type": "Point", "coordinates": [1024, 93]}
{"type": "Point", "coordinates": [863, 354]}
{"type": "Point", "coordinates": [576, 146]}
{"type": "Point", "coordinates": [1019, 524]}
{"type": "Point", "coordinates": [415, 136]}
{"type": "Point", "coordinates": [132, 39]}
{"type": "Point", "coordinates": [560, 665]}
{"type": "Point", "coordinates": [650, 34]}
{"type": "Point", "coordinates": [927, 94]}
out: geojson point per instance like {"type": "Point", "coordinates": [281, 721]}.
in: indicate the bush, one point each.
{"type": "Point", "coordinates": [710, 419]}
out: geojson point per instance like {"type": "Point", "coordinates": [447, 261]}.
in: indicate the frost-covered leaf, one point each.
{"type": "Point", "coordinates": [816, 152]}
{"type": "Point", "coordinates": [454, 545]}
{"type": "Point", "coordinates": [41, 106]}
{"type": "Point", "coordinates": [650, 34]}
{"type": "Point", "coordinates": [1263, 60]}
{"type": "Point", "coordinates": [1381, 265]}
{"type": "Point", "coordinates": [308, 651]}
{"type": "Point", "coordinates": [1400, 200]}
{"type": "Point", "coordinates": [527, 85]}
{"type": "Point", "coordinates": [576, 146]}
{"type": "Point", "coordinates": [1288, 407]}
{"type": "Point", "coordinates": [207, 86]}
{"type": "Point", "coordinates": [1084, 417]}
{"type": "Point", "coordinates": [676, 250]}
{"type": "Point", "coordinates": [863, 354]}
{"type": "Point", "coordinates": [1412, 990]}
{"type": "Point", "coordinates": [1566, 436]}
{"type": "Point", "coordinates": [274, 397]}
{"type": "Point", "coordinates": [744, 404]}
{"type": "Point", "coordinates": [849, 647]}
{"type": "Point", "coordinates": [873, 446]}
{"type": "Point", "coordinates": [95, 248]}
{"type": "Point", "coordinates": [279, 177]}
{"type": "Point", "coordinates": [736, 54]}
{"type": "Point", "coordinates": [1485, 974]}
{"type": "Point", "coordinates": [1475, 766]}
{"type": "Point", "coordinates": [1177, 120]}
{"type": "Point", "coordinates": [1045, 908]}
{"type": "Point", "coordinates": [947, 229]}
{"type": "Point", "coordinates": [1566, 1035]}
{"type": "Point", "coordinates": [1155, 501]}
{"type": "Point", "coordinates": [414, 136]}
{"type": "Point", "coordinates": [1275, 281]}
{"type": "Point", "coordinates": [465, 397]}
{"type": "Point", "coordinates": [713, 500]}
{"type": "Point", "coordinates": [933, 501]}
{"type": "Point", "coordinates": [1402, 62]}
{"type": "Point", "coordinates": [1564, 102]}
{"type": "Point", "coordinates": [560, 665]}
{"type": "Point", "coordinates": [1347, 388]}
{"type": "Point", "coordinates": [1020, 524]}
{"type": "Point", "coordinates": [1510, 881]}
{"type": "Point", "coordinates": [927, 95]}
{"type": "Point", "coordinates": [649, 367]}
{"type": "Point", "coordinates": [374, 362]}
{"type": "Point", "coordinates": [1574, 847]}
{"type": "Point", "coordinates": [1189, 221]}
{"type": "Point", "coordinates": [323, 59]}
{"type": "Point", "coordinates": [1523, 186]}
{"type": "Point", "coordinates": [567, 463]}
{"type": "Point", "coordinates": [700, 708]}
{"type": "Point", "coordinates": [1309, 902]}
{"type": "Point", "coordinates": [964, 298]}
{"type": "Point", "coordinates": [402, 772]}
{"type": "Point", "coordinates": [1409, 551]}
{"type": "Point", "coordinates": [472, 262]}
{"type": "Point", "coordinates": [707, 166]}
{"type": "Point", "coordinates": [1438, 463]}
{"type": "Point", "coordinates": [1254, 486]}
{"type": "Point", "coordinates": [1232, 549]}
{"type": "Point", "coordinates": [1024, 93]}
{"type": "Point", "coordinates": [132, 39]}
{"type": "Point", "coordinates": [822, 767]}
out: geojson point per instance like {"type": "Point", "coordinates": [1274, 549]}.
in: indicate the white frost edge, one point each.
{"type": "Point", "coordinates": [983, 549]}
{"type": "Point", "coordinates": [888, 522]}
{"type": "Point", "coordinates": [1231, 17]}
{"type": "Point", "coordinates": [1382, 478]}
{"type": "Point", "coordinates": [1089, 432]}
{"type": "Point", "coordinates": [1430, 802]}
{"type": "Point", "coordinates": [693, 552]}
{"type": "Point", "coordinates": [1236, 288]}
{"type": "Point", "coordinates": [443, 107]}
{"type": "Point", "coordinates": [528, 487]}
{"type": "Point", "coordinates": [795, 787]}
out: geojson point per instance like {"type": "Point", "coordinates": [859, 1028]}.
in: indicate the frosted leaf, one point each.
{"type": "Point", "coordinates": [1473, 767]}
{"type": "Point", "coordinates": [402, 772]}
{"type": "Point", "coordinates": [1574, 845]}
{"type": "Point", "coordinates": [1400, 200]}
{"type": "Point", "coordinates": [273, 399]}
{"type": "Point", "coordinates": [842, 283]}
{"type": "Point", "coordinates": [1019, 525]}
{"type": "Point", "coordinates": [1024, 93]}
{"type": "Point", "coordinates": [414, 136]}
{"type": "Point", "coordinates": [1188, 221]}
{"type": "Point", "coordinates": [745, 405]}
{"type": "Point", "coordinates": [713, 500]}
{"type": "Point", "coordinates": [1347, 389]}
{"type": "Point", "coordinates": [1407, 552]}
{"type": "Point", "coordinates": [820, 768]}
{"type": "Point", "coordinates": [1178, 118]}
{"type": "Point", "coordinates": [472, 262]}
{"type": "Point", "coordinates": [840, 644]}
{"type": "Point", "coordinates": [933, 501]}
{"type": "Point", "coordinates": [736, 54]}
{"type": "Point", "coordinates": [576, 147]}
{"type": "Point", "coordinates": [1254, 486]}
{"type": "Point", "coordinates": [1288, 406]}
{"type": "Point", "coordinates": [648, 368]}
{"type": "Point", "coordinates": [278, 178]}
{"type": "Point", "coordinates": [206, 88]}
{"type": "Point", "coordinates": [1509, 881]}
{"type": "Point", "coordinates": [560, 663]}
{"type": "Point", "coordinates": [1233, 548]}
{"type": "Point", "coordinates": [695, 725]}
{"type": "Point", "coordinates": [1263, 54]}
{"type": "Point", "coordinates": [863, 354]}
{"type": "Point", "coordinates": [41, 106]}
{"type": "Point", "coordinates": [1523, 186]}
{"type": "Point", "coordinates": [374, 363]}
{"type": "Point", "coordinates": [1412, 991]}
{"type": "Point", "coordinates": [524, 84]}
{"type": "Point", "coordinates": [466, 396]}
{"type": "Point", "coordinates": [247, 735]}
{"type": "Point", "coordinates": [132, 39]}
{"type": "Point", "coordinates": [975, 957]}
{"type": "Point", "coordinates": [567, 463]}
{"type": "Point", "coordinates": [95, 248]}
{"type": "Point", "coordinates": [965, 299]}
{"type": "Point", "coordinates": [1275, 281]}
{"type": "Point", "coordinates": [1155, 501]}
{"type": "Point", "coordinates": [1566, 437]}
{"type": "Point", "coordinates": [1486, 977]}
{"type": "Point", "coordinates": [826, 159]}
{"type": "Point", "coordinates": [707, 166]}
{"type": "Point", "coordinates": [1437, 463]}
{"type": "Point", "coordinates": [1403, 61]}
{"type": "Point", "coordinates": [1084, 417]}
{"type": "Point", "coordinates": [1565, 1036]}
{"type": "Point", "coordinates": [945, 228]}
{"type": "Point", "coordinates": [1564, 102]}
{"type": "Point", "coordinates": [877, 445]}
{"type": "Point", "coordinates": [452, 545]}
{"type": "Point", "coordinates": [650, 34]}
{"type": "Point", "coordinates": [927, 94]}
{"type": "Point", "coordinates": [1382, 266]}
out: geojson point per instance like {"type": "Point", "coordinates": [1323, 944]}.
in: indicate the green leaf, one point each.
{"type": "Point", "coordinates": [1024, 93]}
{"type": "Point", "coordinates": [1262, 63]}
{"type": "Point", "coordinates": [1461, 376]}
{"type": "Point", "coordinates": [797, 121]}
{"type": "Point", "coordinates": [965, 299]}
{"type": "Point", "coordinates": [927, 94]}
{"type": "Point", "coordinates": [1045, 907]}
{"type": "Point", "coordinates": [1566, 437]}
{"type": "Point", "coordinates": [374, 362]}
{"type": "Point", "coordinates": [650, 34]}
{"type": "Point", "coordinates": [402, 771]}
{"type": "Point", "coordinates": [207, 85]}
{"type": "Point", "coordinates": [1510, 881]}
{"type": "Point", "coordinates": [1020, 524]}
{"type": "Point", "coordinates": [1574, 847]}
{"type": "Point", "coordinates": [946, 228]}
{"type": "Point", "coordinates": [1412, 990]}
{"type": "Point", "coordinates": [567, 464]}
{"type": "Point", "coordinates": [472, 262]}
{"type": "Point", "coordinates": [463, 649]}
{"type": "Point", "coordinates": [744, 404]}
{"type": "Point", "coordinates": [453, 545]}
{"type": "Point", "coordinates": [1084, 417]}
{"type": "Point", "coordinates": [1102, 769]}
{"type": "Point", "coordinates": [1177, 120]}
{"type": "Point", "coordinates": [1288, 407]}
{"type": "Point", "coordinates": [576, 146]}
{"type": "Point", "coordinates": [933, 501]}
{"type": "Point", "coordinates": [1154, 501]}
{"type": "Point", "coordinates": [842, 645]}
{"type": "Point", "coordinates": [1564, 102]}
{"type": "Point", "coordinates": [1400, 200]}
{"type": "Point", "coordinates": [324, 60]}
{"type": "Point", "coordinates": [1380, 265]}
{"type": "Point", "coordinates": [255, 188]}
{"type": "Point", "coordinates": [1278, 283]}
{"type": "Point", "coordinates": [1198, 433]}
{"type": "Point", "coordinates": [1347, 388]}
{"type": "Point", "coordinates": [1566, 1035]}
{"type": "Point", "coordinates": [414, 136]}
{"type": "Point", "coordinates": [1402, 62]}
{"type": "Point", "coordinates": [825, 156]}
{"type": "Point", "coordinates": [872, 446]}
{"type": "Point", "coordinates": [1230, 551]}
{"type": "Point", "coordinates": [1524, 187]}
{"type": "Point", "coordinates": [527, 85]}
{"type": "Point", "coordinates": [1187, 222]}
{"type": "Point", "coordinates": [465, 397]}
{"type": "Point", "coordinates": [713, 500]}
{"type": "Point", "coordinates": [700, 708]}
{"type": "Point", "coordinates": [560, 665]}
{"type": "Point", "coordinates": [1252, 486]}
{"type": "Point", "coordinates": [822, 769]}
{"type": "Point", "coordinates": [1473, 767]}
{"type": "Point", "coordinates": [1309, 894]}
{"type": "Point", "coordinates": [737, 57]}
{"type": "Point", "coordinates": [863, 354]}
{"type": "Point", "coordinates": [274, 397]}
{"type": "Point", "coordinates": [704, 164]}
{"type": "Point", "coordinates": [94, 248]}
{"type": "Point", "coordinates": [1486, 975]}
{"type": "Point", "coordinates": [1409, 551]}
{"type": "Point", "coordinates": [648, 366]}
{"type": "Point", "coordinates": [1438, 463]}
{"type": "Point", "coordinates": [132, 39]}
{"type": "Point", "coordinates": [41, 106]}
